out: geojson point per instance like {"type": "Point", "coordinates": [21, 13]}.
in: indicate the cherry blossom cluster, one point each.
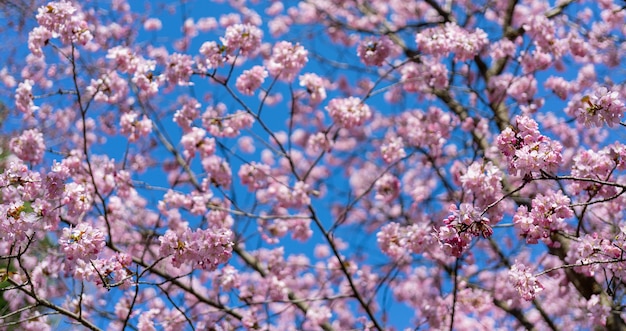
{"type": "Point", "coordinates": [315, 87]}
{"type": "Point", "coordinates": [250, 80]}
{"type": "Point", "coordinates": [348, 112]}
{"type": "Point", "coordinates": [110, 88]}
{"type": "Point", "coordinates": [24, 97]}
{"type": "Point", "coordinates": [196, 140]}
{"type": "Point", "coordinates": [219, 124]}
{"type": "Point", "coordinates": [187, 114]}
{"type": "Point", "coordinates": [460, 227]}
{"type": "Point", "coordinates": [526, 284]}
{"type": "Point", "coordinates": [599, 165]}
{"type": "Point", "coordinates": [603, 106]}
{"type": "Point", "coordinates": [254, 175]}
{"type": "Point", "coordinates": [591, 251]}
{"type": "Point", "coordinates": [178, 69]}
{"type": "Point", "coordinates": [527, 151]}
{"type": "Point", "coordinates": [287, 60]}
{"type": "Point", "coordinates": [387, 188]}
{"type": "Point", "coordinates": [105, 271]}
{"type": "Point", "coordinates": [211, 56]}
{"type": "Point", "coordinates": [82, 242]}
{"type": "Point", "coordinates": [374, 51]}
{"type": "Point", "coordinates": [205, 249]}
{"type": "Point", "coordinates": [287, 197]}
{"type": "Point", "coordinates": [125, 60]}
{"type": "Point", "coordinates": [396, 241]}
{"type": "Point", "coordinates": [58, 20]}
{"type": "Point", "coordinates": [425, 129]}
{"type": "Point", "coordinates": [298, 226]}
{"type": "Point", "coordinates": [134, 128]}
{"type": "Point", "coordinates": [392, 149]}
{"type": "Point", "coordinates": [423, 77]}
{"type": "Point", "coordinates": [29, 146]}
{"type": "Point", "coordinates": [547, 214]}
{"type": "Point", "coordinates": [242, 39]}
{"type": "Point", "coordinates": [218, 171]}
{"type": "Point", "coordinates": [451, 38]}
{"type": "Point", "coordinates": [15, 222]}
{"type": "Point", "coordinates": [483, 181]}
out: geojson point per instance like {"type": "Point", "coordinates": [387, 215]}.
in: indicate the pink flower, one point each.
{"type": "Point", "coordinates": [206, 24]}
{"type": "Point", "coordinates": [211, 56]}
{"type": "Point", "coordinates": [387, 188]}
{"type": "Point", "coordinates": [251, 80]}
{"type": "Point", "coordinates": [450, 37]}
{"type": "Point", "coordinates": [225, 126]}
{"type": "Point", "coordinates": [527, 150]}
{"type": "Point", "coordinates": [254, 175]}
{"type": "Point", "coordinates": [189, 112]}
{"type": "Point", "coordinates": [374, 51]}
{"type": "Point", "coordinates": [397, 241]}
{"type": "Point", "coordinates": [29, 146]}
{"type": "Point", "coordinates": [243, 37]}
{"type": "Point", "coordinates": [178, 70]}
{"type": "Point", "coordinates": [218, 171]}
{"type": "Point", "coordinates": [559, 86]}
{"type": "Point", "coordinates": [82, 242]}
{"type": "Point", "coordinates": [424, 76]}
{"type": "Point", "coordinates": [77, 199]}
{"type": "Point", "coordinates": [134, 128]}
{"type": "Point", "coordinates": [37, 39]}
{"type": "Point", "coordinates": [204, 249]}
{"type": "Point", "coordinates": [315, 87]}
{"type": "Point", "coordinates": [289, 197]}
{"type": "Point", "coordinates": [287, 60]}
{"type": "Point", "coordinates": [392, 149]}
{"type": "Point", "coordinates": [348, 112]}
{"type": "Point", "coordinates": [602, 106]}
{"type": "Point", "coordinates": [152, 24]}
{"type": "Point", "coordinates": [317, 143]}
{"type": "Point", "coordinates": [65, 22]}
{"type": "Point", "coordinates": [524, 282]}
{"type": "Point", "coordinates": [196, 140]}
{"type": "Point", "coordinates": [546, 216]}
{"type": "Point", "coordinates": [24, 97]}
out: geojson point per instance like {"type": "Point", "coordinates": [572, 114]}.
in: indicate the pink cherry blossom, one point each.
{"type": "Point", "coordinates": [287, 60]}
{"type": "Point", "coordinates": [524, 282]}
{"type": "Point", "coordinates": [251, 80]}
{"type": "Point", "coordinates": [82, 242]}
{"type": "Point", "coordinates": [348, 112]}
{"type": "Point", "coordinates": [134, 128]}
{"type": "Point", "coordinates": [243, 39]}
{"type": "Point", "coordinates": [374, 52]}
